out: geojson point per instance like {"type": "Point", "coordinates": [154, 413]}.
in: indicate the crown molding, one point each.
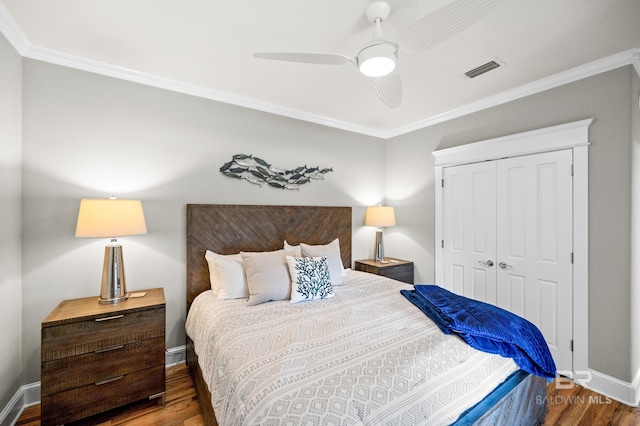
{"type": "Point", "coordinates": [12, 31]}
{"type": "Point", "coordinates": [26, 49]}
{"type": "Point", "coordinates": [628, 57]}
{"type": "Point", "coordinates": [109, 70]}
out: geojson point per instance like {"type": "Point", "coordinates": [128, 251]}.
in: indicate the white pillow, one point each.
{"type": "Point", "coordinates": [227, 277]}
{"type": "Point", "coordinates": [332, 252]}
{"type": "Point", "coordinates": [267, 276]}
{"type": "Point", "coordinates": [290, 250]}
{"type": "Point", "coordinates": [310, 278]}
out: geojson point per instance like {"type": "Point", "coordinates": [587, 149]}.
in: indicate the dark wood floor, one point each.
{"type": "Point", "coordinates": [580, 406]}
{"type": "Point", "coordinates": [566, 407]}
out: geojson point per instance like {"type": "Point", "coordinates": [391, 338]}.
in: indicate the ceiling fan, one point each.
{"type": "Point", "coordinates": [378, 57]}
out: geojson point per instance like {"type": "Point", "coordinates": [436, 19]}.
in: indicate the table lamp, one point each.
{"type": "Point", "coordinates": [379, 216]}
{"type": "Point", "coordinates": [111, 218]}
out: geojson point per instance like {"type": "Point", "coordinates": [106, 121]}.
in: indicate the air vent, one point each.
{"type": "Point", "coordinates": [491, 65]}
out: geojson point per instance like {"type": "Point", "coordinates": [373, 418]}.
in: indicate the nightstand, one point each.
{"type": "Point", "coordinates": [398, 269]}
{"type": "Point", "coordinates": [97, 357]}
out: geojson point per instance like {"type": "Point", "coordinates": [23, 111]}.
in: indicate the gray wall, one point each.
{"type": "Point", "coordinates": [10, 220]}
{"type": "Point", "coordinates": [87, 135]}
{"type": "Point", "coordinates": [605, 97]}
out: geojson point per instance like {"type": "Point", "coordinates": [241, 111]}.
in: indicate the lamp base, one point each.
{"type": "Point", "coordinates": [113, 288]}
{"type": "Point", "coordinates": [378, 251]}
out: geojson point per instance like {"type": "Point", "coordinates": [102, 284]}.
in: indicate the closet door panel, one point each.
{"type": "Point", "coordinates": [534, 244]}
{"type": "Point", "coordinates": [469, 219]}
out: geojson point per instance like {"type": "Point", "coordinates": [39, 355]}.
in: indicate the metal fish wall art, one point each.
{"type": "Point", "coordinates": [257, 171]}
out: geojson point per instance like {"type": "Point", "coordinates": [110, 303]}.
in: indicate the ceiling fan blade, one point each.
{"type": "Point", "coordinates": [389, 90]}
{"type": "Point", "coordinates": [309, 58]}
{"type": "Point", "coordinates": [445, 23]}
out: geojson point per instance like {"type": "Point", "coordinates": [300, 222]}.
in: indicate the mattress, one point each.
{"type": "Point", "coordinates": [364, 357]}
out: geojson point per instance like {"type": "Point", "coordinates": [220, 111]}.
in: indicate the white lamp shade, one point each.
{"type": "Point", "coordinates": [110, 218]}
{"type": "Point", "coordinates": [380, 216]}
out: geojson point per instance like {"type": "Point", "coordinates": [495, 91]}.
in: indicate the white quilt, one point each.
{"type": "Point", "coordinates": [365, 357]}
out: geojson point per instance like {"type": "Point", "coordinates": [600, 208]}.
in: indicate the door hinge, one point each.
{"type": "Point", "coordinates": [442, 183]}
{"type": "Point", "coordinates": [572, 170]}
{"type": "Point", "coordinates": [442, 242]}
{"type": "Point", "coordinates": [572, 258]}
{"type": "Point", "coordinates": [571, 345]}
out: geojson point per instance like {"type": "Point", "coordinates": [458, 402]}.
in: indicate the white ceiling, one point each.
{"type": "Point", "coordinates": [205, 48]}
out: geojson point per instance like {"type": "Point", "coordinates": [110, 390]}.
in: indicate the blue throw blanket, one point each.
{"type": "Point", "coordinates": [486, 327]}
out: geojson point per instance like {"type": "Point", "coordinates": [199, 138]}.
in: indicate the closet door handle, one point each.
{"type": "Point", "coordinates": [503, 265]}
{"type": "Point", "coordinates": [488, 263]}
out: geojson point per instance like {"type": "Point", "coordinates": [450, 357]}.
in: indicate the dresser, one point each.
{"type": "Point", "coordinates": [97, 357]}
{"type": "Point", "coordinates": [398, 269]}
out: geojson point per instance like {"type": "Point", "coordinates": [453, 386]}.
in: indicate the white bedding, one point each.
{"type": "Point", "coordinates": [364, 357]}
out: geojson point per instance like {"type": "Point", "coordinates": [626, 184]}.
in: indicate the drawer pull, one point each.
{"type": "Point", "coordinates": [104, 382]}
{"type": "Point", "coordinates": [109, 318]}
{"type": "Point", "coordinates": [113, 348]}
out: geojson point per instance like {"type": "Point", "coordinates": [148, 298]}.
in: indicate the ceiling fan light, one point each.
{"type": "Point", "coordinates": [378, 58]}
{"type": "Point", "coordinates": [377, 66]}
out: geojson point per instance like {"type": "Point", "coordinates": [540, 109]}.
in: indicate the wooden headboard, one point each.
{"type": "Point", "coordinates": [229, 229]}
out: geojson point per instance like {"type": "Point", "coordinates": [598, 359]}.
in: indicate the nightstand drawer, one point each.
{"type": "Point", "coordinates": [397, 269]}
{"type": "Point", "coordinates": [72, 372]}
{"type": "Point", "coordinates": [398, 272]}
{"type": "Point", "coordinates": [100, 333]}
{"type": "Point", "coordinates": [95, 398]}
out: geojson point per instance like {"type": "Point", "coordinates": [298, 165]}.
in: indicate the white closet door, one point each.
{"type": "Point", "coordinates": [470, 230]}
{"type": "Point", "coordinates": [507, 228]}
{"type": "Point", "coordinates": [534, 267]}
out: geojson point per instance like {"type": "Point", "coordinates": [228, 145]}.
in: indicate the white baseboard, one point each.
{"type": "Point", "coordinates": [621, 391]}
{"type": "Point", "coordinates": [29, 395]}
{"type": "Point", "coordinates": [636, 387]}
{"type": "Point", "coordinates": [175, 356]}
{"type": "Point", "coordinates": [26, 396]}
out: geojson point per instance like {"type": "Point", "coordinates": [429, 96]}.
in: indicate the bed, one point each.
{"type": "Point", "coordinates": [365, 355]}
